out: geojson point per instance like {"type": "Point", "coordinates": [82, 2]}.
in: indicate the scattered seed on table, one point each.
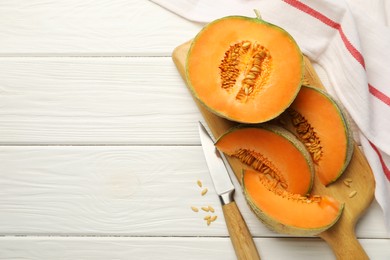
{"type": "Point", "coordinates": [211, 209]}
{"type": "Point", "coordinates": [346, 183]}
{"type": "Point", "coordinates": [194, 209]}
{"type": "Point", "coordinates": [207, 217]}
{"type": "Point", "coordinates": [199, 183]}
{"type": "Point", "coordinates": [205, 209]}
{"type": "Point", "coordinates": [204, 191]}
{"type": "Point", "coordinates": [213, 218]}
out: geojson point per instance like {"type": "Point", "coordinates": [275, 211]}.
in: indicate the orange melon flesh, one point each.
{"type": "Point", "coordinates": [278, 146]}
{"type": "Point", "coordinates": [207, 51]}
{"type": "Point", "coordinates": [326, 118]}
{"type": "Point", "coordinates": [286, 215]}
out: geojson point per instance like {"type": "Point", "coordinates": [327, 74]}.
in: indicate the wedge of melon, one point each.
{"type": "Point", "coordinates": [319, 122]}
{"type": "Point", "coordinates": [289, 213]}
{"type": "Point", "coordinates": [273, 152]}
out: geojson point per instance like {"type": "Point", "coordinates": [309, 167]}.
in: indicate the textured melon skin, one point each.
{"type": "Point", "coordinates": [283, 228]}
{"type": "Point", "coordinates": [345, 124]}
{"type": "Point", "coordinates": [285, 134]}
{"type": "Point", "coordinates": [348, 133]}
{"type": "Point", "coordinates": [250, 117]}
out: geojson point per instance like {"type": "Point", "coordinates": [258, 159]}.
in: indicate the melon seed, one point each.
{"type": "Point", "coordinates": [199, 183]}
{"type": "Point", "coordinates": [249, 81]}
{"type": "Point", "coordinates": [352, 194]}
{"type": "Point", "coordinates": [317, 156]}
{"type": "Point", "coordinates": [204, 191]}
{"type": "Point", "coordinates": [211, 209]}
{"type": "Point", "coordinates": [246, 45]}
{"type": "Point", "coordinates": [194, 209]}
{"type": "Point", "coordinates": [251, 76]}
{"type": "Point", "coordinates": [207, 209]}
{"type": "Point", "coordinates": [284, 185]}
{"type": "Point", "coordinates": [317, 198]}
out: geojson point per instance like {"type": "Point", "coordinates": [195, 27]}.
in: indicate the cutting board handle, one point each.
{"type": "Point", "coordinates": [345, 244]}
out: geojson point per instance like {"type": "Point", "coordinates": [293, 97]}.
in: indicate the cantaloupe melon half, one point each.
{"type": "Point", "coordinates": [289, 213]}
{"type": "Point", "coordinates": [244, 69]}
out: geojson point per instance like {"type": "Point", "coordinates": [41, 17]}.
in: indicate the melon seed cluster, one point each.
{"type": "Point", "coordinates": [245, 65]}
{"type": "Point", "coordinates": [207, 218]}
{"type": "Point", "coordinates": [260, 163]}
{"type": "Point", "coordinates": [307, 134]}
{"type": "Point", "coordinates": [272, 185]}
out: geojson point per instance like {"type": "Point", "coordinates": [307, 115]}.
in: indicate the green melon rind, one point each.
{"type": "Point", "coordinates": [347, 129]}
{"type": "Point", "coordinates": [285, 134]}
{"type": "Point", "coordinates": [282, 228]}
{"type": "Point", "coordinates": [223, 115]}
{"type": "Point", "coordinates": [348, 133]}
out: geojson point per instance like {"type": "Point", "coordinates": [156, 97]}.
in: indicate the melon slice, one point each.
{"type": "Point", "coordinates": [273, 152]}
{"type": "Point", "coordinates": [289, 213]}
{"type": "Point", "coordinates": [319, 122]}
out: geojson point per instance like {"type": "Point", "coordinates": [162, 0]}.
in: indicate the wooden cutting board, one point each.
{"type": "Point", "coordinates": [341, 237]}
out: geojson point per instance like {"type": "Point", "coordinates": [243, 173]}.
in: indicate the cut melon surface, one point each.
{"type": "Point", "coordinates": [289, 213]}
{"type": "Point", "coordinates": [274, 152]}
{"type": "Point", "coordinates": [244, 69]}
{"type": "Point", "coordinates": [320, 123]}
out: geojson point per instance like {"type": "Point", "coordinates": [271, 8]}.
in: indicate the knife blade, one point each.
{"type": "Point", "coordinates": [240, 236]}
{"type": "Point", "coordinates": [219, 174]}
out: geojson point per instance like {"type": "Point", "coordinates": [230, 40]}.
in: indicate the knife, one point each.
{"type": "Point", "coordinates": [239, 233]}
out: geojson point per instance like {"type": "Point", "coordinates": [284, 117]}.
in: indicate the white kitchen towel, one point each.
{"type": "Point", "coordinates": [350, 40]}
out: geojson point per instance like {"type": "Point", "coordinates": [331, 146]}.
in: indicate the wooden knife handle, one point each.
{"type": "Point", "coordinates": [239, 233]}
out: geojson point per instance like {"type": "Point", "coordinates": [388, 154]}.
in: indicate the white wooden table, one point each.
{"type": "Point", "coordinates": [99, 150]}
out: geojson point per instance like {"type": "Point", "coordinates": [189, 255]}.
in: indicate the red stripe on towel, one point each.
{"type": "Point", "coordinates": [380, 95]}
{"type": "Point", "coordinates": [352, 50]}
{"type": "Point", "coordinates": [384, 166]}
{"type": "Point", "coordinates": [326, 20]}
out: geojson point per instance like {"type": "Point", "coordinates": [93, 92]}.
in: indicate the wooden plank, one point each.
{"type": "Point", "coordinates": [146, 191]}
{"type": "Point", "coordinates": [95, 101]}
{"type": "Point", "coordinates": [119, 190]}
{"type": "Point", "coordinates": [99, 100]}
{"type": "Point", "coordinates": [96, 248]}
{"type": "Point", "coordinates": [90, 28]}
